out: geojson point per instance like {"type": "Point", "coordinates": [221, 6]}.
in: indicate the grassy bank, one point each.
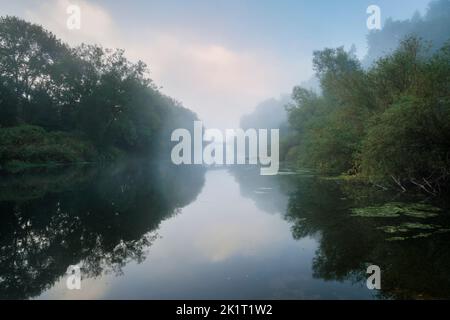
{"type": "Point", "coordinates": [26, 146]}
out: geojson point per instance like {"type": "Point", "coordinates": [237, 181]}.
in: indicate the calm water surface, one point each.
{"type": "Point", "coordinates": [160, 232]}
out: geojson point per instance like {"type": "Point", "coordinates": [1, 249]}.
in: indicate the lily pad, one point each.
{"type": "Point", "coordinates": [423, 235]}
{"type": "Point", "coordinates": [376, 212]}
{"type": "Point", "coordinates": [397, 239]}
{"type": "Point", "coordinates": [411, 225]}
{"type": "Point", "coordinates": [408, 227]}
{"type": "Point", "coordinates": [393, 229]}
{"type": "Point", "coordinates": [397, 209]}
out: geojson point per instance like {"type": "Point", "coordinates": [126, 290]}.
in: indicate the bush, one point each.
{"type": "Point", "coordinates": [31, 145]}
{"type": "Point", "coordinates": [408, 143]}
{"type": "Point", "coordinates": [388, 123]}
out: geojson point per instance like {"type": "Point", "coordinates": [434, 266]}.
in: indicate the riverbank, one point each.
{"type": "Point", "coordinates": [25, 147]}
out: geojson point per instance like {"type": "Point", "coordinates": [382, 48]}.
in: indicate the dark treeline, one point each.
{"type": "Point", "coordinates": [63, 104]}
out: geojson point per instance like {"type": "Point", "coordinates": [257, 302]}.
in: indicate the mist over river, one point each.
{"type": "Point", "coordinates": [156, 231]}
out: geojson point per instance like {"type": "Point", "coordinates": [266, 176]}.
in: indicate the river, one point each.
{"type": "Point", "coordinates": [143, 231]}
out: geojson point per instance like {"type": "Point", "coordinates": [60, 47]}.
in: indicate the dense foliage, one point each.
{"type": "Point", "coordinates": [390, 122]}
{"type": "Point", "coordinates": [384, 118]}
{"type": "Point", "coordinates": [24, 146]}
{"type": "Point", "coordinates": [90, 92]}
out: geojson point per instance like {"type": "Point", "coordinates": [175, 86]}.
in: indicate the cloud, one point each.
{"type": "Point", "coordinates": [97, 26]}
{"type": "Point", "coordinates": [215, 80]}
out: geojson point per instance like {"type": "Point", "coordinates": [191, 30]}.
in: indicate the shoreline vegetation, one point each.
{"type": "Point", "coordinates": [385, 123]}
{"type": "Point", "coordinates": [64, 105]}
{"type": "Point", "coordinates": [383, 120]}
{"type": "Point", "coordinates": [28, 147]}
{"type": "Point", "coordinates": [388, 125]}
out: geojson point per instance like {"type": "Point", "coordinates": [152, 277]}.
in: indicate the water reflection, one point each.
{"type": "Point", "coordinates": [408, 242]}
{"type": "Point", "coordinates": [102, 218]}
{"type": "Point", "coordinates": [412, 268]}
{"type": "Point", "coordinates": [222, 245]}
{"type": "Point", "coordinates": [269, 193]}
{"type": "Point", "coordinates": [152, 231]}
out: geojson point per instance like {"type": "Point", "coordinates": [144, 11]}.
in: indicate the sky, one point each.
{"type": "Point", "coordinates": [220, 58]}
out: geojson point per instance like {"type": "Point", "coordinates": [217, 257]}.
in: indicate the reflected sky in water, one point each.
{"type": "Point", "coordinates": [231, 242]}
{"type": "Point", "coordinates": [156, 231]}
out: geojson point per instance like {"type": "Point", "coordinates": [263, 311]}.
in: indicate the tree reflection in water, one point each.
{"type": "Point", "coordinates": [101, 218]}
{"type": "Point", "coordinates": [413, 268]}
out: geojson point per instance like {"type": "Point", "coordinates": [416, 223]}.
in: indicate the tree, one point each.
{"type": "Point", "coordinates": [89, 91]}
